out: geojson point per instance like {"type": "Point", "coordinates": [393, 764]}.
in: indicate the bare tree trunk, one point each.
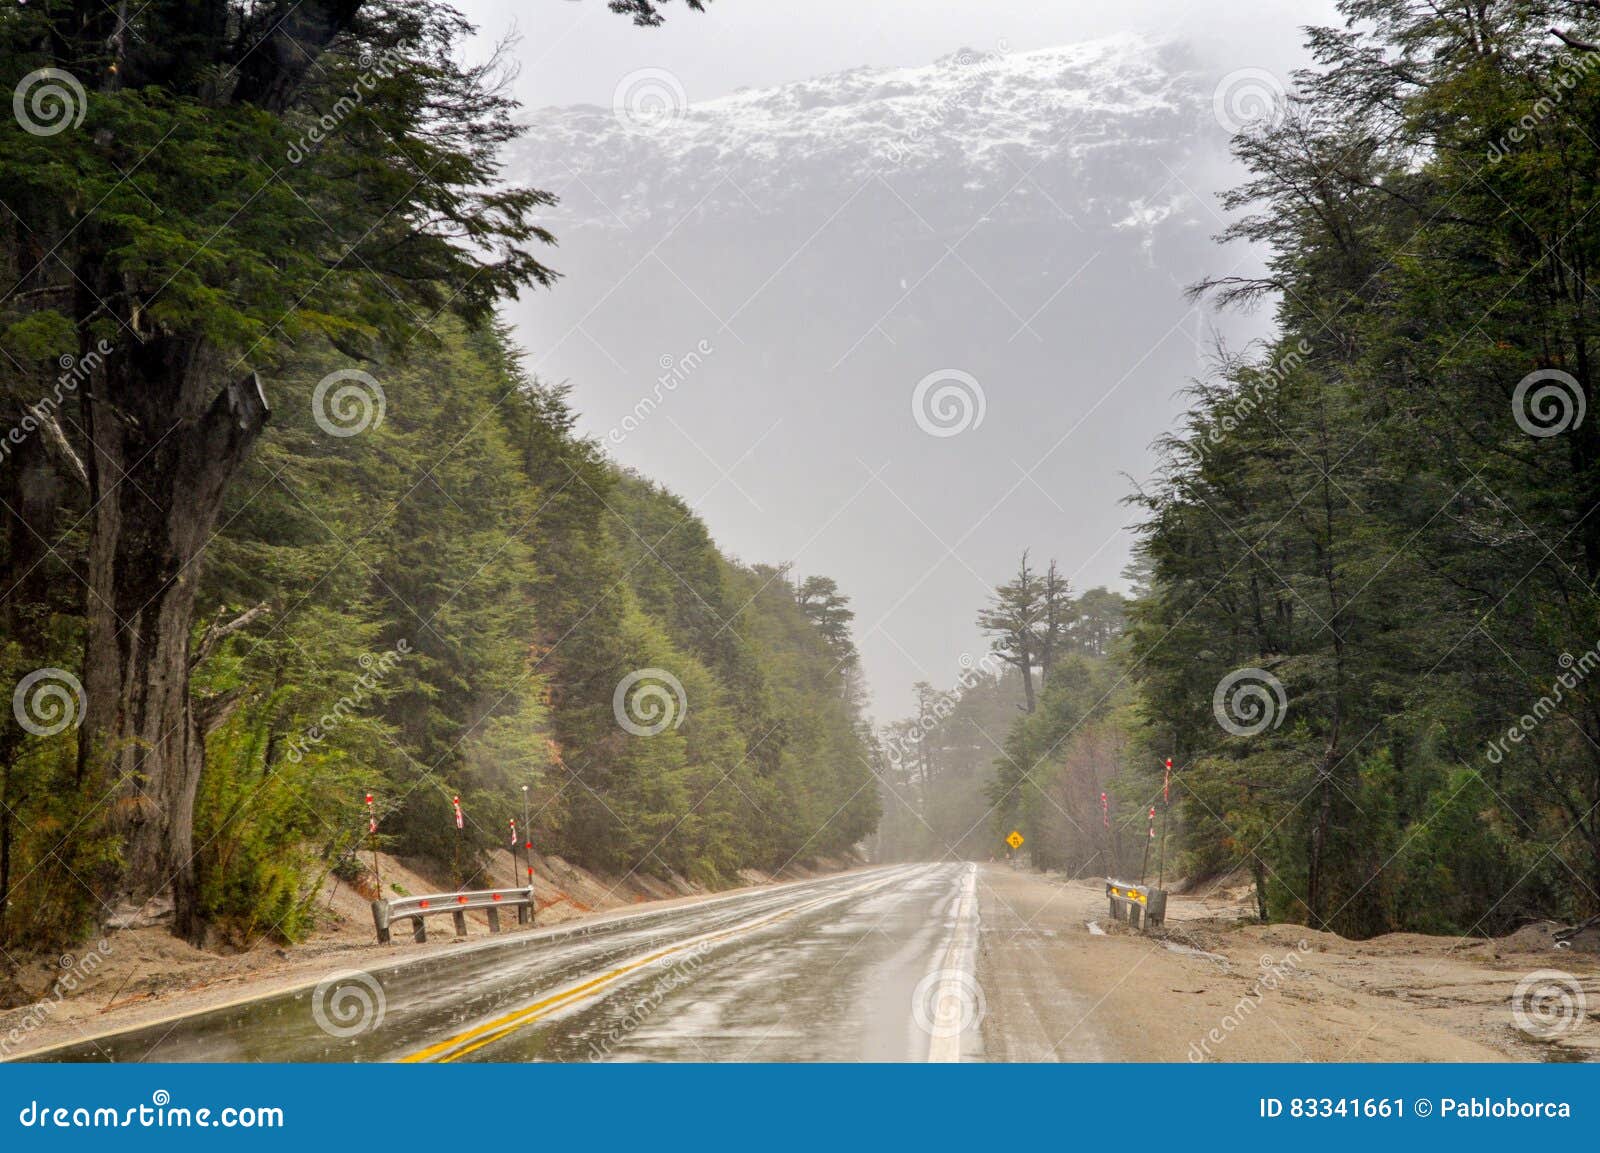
{"type": "Point", "coordinates": [1025, 663]}
{"type": "Point", "coordinates": [164, 442]}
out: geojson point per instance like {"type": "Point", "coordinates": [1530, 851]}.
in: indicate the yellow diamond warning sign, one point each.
{"type": "Point", "coordinates": [1015, 839]}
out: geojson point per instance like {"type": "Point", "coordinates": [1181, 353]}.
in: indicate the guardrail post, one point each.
{"type": "Point", "coordinates": [380, 918]}
{"type": "Point", "coordinates": [1155, 912]}
{"type": "Point", "coordinates": [419, 929]}
{"type": "Point", "coordinates": [494, 919]}
{"type": "Point", "coordinates": [525, 912]}
{"type": "Point", "coordinates": [461, 923]}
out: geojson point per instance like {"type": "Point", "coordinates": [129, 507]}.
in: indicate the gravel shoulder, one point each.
{"type": "Point", "coordinates": [1210, 986]}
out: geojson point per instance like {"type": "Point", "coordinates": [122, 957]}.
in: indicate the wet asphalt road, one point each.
{"type": "Point", "coordinates": [871, 966]}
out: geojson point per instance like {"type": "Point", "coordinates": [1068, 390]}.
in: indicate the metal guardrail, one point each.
{"type": "Point", "coordinates": [385, 913]}
{"type": "Point", "coordinates": [1138, 905]}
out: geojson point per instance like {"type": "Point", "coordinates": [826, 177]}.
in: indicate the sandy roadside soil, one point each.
{"type": "Point", "coordinates": [1211, 986]}
{"type": "Point", "coordinates": [135, 976]}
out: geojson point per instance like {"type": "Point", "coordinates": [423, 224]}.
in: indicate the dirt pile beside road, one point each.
{"type": "Point", "coordinates": [1065, 982]}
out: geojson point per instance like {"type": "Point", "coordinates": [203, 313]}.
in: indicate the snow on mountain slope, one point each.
{"type": "Point", "coordinates": [968, 124]}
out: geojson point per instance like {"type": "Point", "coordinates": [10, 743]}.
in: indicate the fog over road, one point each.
{"type": "Point", "coordinates": [875, 965]}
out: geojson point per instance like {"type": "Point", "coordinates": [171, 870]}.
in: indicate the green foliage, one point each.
{"type": "Point", "coordinates": [255, 229]}
{"type": "Point", "coordinates": [449, 600]}
{"type": "Point", "coordinates": [1360, 510]}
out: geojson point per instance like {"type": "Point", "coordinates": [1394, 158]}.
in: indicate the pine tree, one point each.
{"type": "Point", "coordinates": [1012, 620]}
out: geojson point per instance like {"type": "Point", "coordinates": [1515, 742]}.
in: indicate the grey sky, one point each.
{"type": "Point", "coordinates": [794, 441]}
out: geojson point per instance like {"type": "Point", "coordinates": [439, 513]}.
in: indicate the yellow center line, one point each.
{"type": "Point", "coordinates": [490, 1031]}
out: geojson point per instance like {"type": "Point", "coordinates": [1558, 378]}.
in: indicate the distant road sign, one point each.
{"type": "Point", "coordinates": [1015, 839]}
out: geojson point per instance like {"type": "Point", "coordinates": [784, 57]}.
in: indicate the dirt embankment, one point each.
{"type": "Point", "coordinates": [1065, 982]}
{"type": "Point", "coordinates": [135, 975]}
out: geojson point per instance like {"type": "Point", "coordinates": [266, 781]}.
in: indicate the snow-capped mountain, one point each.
{"type": "Point", "coordinates": [1091, 117]}
{"type": "Point", "coordinates": [754, 276]}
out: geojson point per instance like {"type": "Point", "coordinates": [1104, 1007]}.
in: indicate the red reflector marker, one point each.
{"type": "Point", "coordinates": [497, 896]}
{"type": "Point", "coordinates": [462, 900]}
{"type": "Point", "coordinates": [424, 904]}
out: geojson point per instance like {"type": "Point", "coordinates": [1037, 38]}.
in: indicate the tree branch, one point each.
{"type": "Point", "coordinates": [1574, 42]}
{"type": "Point", "coordinates": [57, 438]}
{"type": "Point", "coordinates": [220, 631]}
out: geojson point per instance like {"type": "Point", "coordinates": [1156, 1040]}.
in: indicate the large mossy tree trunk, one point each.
{"type": "Point", "coordinates": [165, 439]}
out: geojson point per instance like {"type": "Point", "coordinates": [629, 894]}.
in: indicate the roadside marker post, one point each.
{"type": "Point", "coordinates": [513, 849]}
{"type": "Point", "coordinates": [1105, 820]}
{"type": "Point", "coordinates": [461, 825]}
{"type": "Point", "coordinates": [527, 832]}
{"type": "Point", "coordinates": [525, 912]}
{"type": "Point", "coordinates": [1144, 866]}
{"type": "Point", "coordinates": [372, 840]}
{"type": "Point", "coordinates": [1166, 807]}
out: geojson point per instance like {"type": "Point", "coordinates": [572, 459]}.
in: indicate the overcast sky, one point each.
{"type": "Point", "coordinates": [796, 493]}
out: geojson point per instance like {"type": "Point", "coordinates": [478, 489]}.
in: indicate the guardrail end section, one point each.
{"type": "Point", "coordinates": [380, 919]}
